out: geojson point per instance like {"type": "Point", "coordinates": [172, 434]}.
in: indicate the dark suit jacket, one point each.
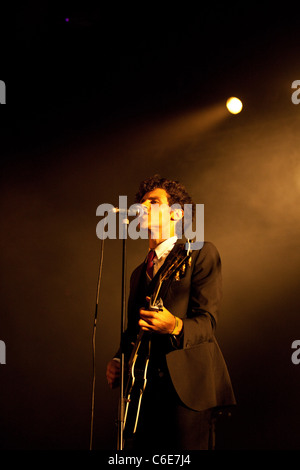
{"type": "Point", "coordinates": [197, 368]}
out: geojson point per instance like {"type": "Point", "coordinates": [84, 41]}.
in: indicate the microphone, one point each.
{"type": "Point", "coordinates": [132, 211]}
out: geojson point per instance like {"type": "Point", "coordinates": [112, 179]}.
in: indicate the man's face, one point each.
{"type": "Point", "coordinates": [157, 217]}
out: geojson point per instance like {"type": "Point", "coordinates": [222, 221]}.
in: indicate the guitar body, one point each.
{"type": "Point", "coordinates": [140, 356]}
{"type": "Point", "coordinates": [136, 384]}
{"type": "Point", "coordinates": [137, 381]}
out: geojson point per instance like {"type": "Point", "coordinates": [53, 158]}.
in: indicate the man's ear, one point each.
{"type": "Point", "coordinates": [176, 214]}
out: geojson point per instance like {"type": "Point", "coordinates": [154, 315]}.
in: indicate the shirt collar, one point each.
{"type": "Point", "coordinates": [165, 246]}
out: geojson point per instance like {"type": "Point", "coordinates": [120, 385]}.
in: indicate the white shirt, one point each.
{"type": "Point", "coordinates": [162, 250]}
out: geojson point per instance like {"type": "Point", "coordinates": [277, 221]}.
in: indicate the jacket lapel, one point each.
{"type": "Point", "coordinates": [139, 277]}
{"type": "Point", "coordinates": [178, 247]}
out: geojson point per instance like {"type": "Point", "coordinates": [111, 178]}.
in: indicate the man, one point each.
{"type": "Point", "coordinates": [187, 378]}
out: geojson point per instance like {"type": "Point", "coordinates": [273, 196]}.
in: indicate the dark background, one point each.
{"type": "Point", "coordinates": [95, 105]}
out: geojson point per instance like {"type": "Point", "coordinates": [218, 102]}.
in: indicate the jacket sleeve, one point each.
{"type": "Point", "coordinates": [205, 297]}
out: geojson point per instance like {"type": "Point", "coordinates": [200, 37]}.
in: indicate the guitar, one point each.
{"type": "Point", "coordinates": [140, 355]}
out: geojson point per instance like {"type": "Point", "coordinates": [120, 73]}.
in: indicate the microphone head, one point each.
{"type": "Point", "coordinates": [135, 209]}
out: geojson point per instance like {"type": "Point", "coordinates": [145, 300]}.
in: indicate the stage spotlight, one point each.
{"type": "Point", "coordinates": [234, 105]}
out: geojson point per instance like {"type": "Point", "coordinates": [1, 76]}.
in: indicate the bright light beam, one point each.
{"type": "Point", "coordinates": [234, 105]}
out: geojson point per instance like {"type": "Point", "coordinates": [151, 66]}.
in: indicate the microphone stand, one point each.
{"type": "Point", "coordinates": [94, 344]}
{"type": "Point", "coordinates": [120, 443]}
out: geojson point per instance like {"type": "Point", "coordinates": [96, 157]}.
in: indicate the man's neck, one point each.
{"type": "Point", "coordinates": [153, 243]}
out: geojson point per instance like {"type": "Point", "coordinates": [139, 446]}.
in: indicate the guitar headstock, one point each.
{"type": "Point", "coordinates": [178, 265]}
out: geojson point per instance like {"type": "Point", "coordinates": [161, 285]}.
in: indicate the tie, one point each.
{"type": "Point", "coordinates": [151, 256]}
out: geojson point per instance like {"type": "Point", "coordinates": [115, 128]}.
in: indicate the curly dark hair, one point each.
{"type": "Point", "coordinates": [176, 192]}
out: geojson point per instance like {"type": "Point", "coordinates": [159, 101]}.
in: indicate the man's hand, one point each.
{"type": "Point", "coordinates": [113, 373]}
{"type": "Point", "coordinates": [162, 321]}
